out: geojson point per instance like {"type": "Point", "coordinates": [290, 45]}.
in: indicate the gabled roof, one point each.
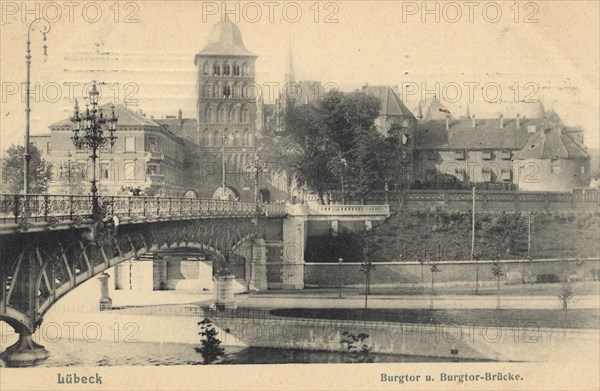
{"type": "Point", "coordinates": [486, 134]}
{"type": "Point", "coordinates": [552, 143]}
{"type": "Point", "coordinates": [391, 104]}
{"type": "Point", "coordinates": [127, 117]}
{"type": "Point", "coordinates": [186, 127]}
{"type": "Point", "coordinates": [433, 110]}
{"type": "Point", "coordinates": [225, 39]}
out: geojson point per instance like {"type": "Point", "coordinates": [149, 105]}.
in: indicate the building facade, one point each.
{"type": "Point", "coordinates": [145, 156]}
{"type": "Point", "coordinates": [226, 112]}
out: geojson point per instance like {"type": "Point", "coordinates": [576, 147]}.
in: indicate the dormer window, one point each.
{"type": "Point", "coordinates": [486, 173]}
{"type": "Point", "coordinates": [555, 166]}
{"type": "Point", "coordinates": [459, 173]}
{"type": "Point", "coordinates": [460, 155]}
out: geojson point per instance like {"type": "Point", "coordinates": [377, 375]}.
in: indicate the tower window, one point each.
{"type": "Point", "coordinates": [236, 69]}
{"type": "Point", "coordinates": [226, 69]}
{"type": "Point", "coordinates": [206, 69]}
{"type": "Point", "coordinates": [245, 69]}
{"type": "Point", "coordinates": [227, 91]}
{"type": "Point", "coordinates": [555, 166]}
{"type": "Point", "coordinates": [216, 69]}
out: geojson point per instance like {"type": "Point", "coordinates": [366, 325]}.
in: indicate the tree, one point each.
{"type": "Point", "coordinates": [565, 296]}
{"type": "Point", "coordinates": [497, 272]}
{"type": "Point", "coordinates": [333, 142]}
{"type": "Point", "coordinates": [434, 269]}
{"type": "Point", "coordinates": [210, 350]}
{"type": "Point", "coordinates": [366, 267]}
{"type": "Point", "coordinates": [12, 171]}
{"type": "Point", "coordinates": [359, 351]}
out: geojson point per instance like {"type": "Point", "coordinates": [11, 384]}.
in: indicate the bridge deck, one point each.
{"type": "Point", "coordinates": [17, 212]}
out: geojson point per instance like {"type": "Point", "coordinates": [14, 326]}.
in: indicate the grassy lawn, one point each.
{"type": "Point", "coordinates": [577, 318]}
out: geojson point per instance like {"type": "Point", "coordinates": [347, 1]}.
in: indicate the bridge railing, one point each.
{"type": "Point", "coordinates": [48, 208]}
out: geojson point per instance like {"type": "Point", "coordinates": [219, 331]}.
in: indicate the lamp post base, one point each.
{"type": "Point", "coordinates": [25, 352]}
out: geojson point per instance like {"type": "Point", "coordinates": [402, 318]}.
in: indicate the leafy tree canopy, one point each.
{"type": "Point", "coordinates": [12, 171]}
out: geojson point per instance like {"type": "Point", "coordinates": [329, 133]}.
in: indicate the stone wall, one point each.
{"type": "Point", "coordinates": [580, 200]}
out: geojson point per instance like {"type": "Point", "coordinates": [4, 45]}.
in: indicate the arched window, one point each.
{"type": "Point", "coordinates": [227, 91]}
{"type": "Point", "coordinates": [210, 115]}
{"type": "Point", "coordinates": [245, 117]}
{"type": "Point", "coordinates": [206, 69]}
{"type": "Point", "coordinates": [236, 138]}
{"type": "Point", "coordinates": [233, 115]}
{"type": "Point", "coordinates": [206, 138]}
{"type": "Point", "coordinates": [226, 69]}
{"type": "Point", "coordinates": [209, 89]}
{"type": "Point", "coordinates": [234, 90]}
{"type": "Point", "coordinates": [236, 161]}
{"type": "Point", "coordinates": [216, 141]}
{"type": "Point", "coordinates": [221, 114]}
{"type": "Point", "coordinates": [245, 69]}
{"type": "Point", "coordinates": [236, 69]}
{"type": "Point", "coordinates": [216, 69]}
{"type": "Point", "coordinates": [246, 137]}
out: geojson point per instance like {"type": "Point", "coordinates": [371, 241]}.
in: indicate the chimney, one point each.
{"type": "Point", "coordinates": [180, 116]}
{"type": "Point", "coordinates": [473, 121]}
{"type": "Point", "coordinates": [518, 121]}
{"type": "Point", "coordinates": [501, 121]}
{"type": "Point", "coordinates": [447, 122]}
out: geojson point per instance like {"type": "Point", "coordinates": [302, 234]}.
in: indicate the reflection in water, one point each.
{"type": "Point", "coordinates": [82, 353]}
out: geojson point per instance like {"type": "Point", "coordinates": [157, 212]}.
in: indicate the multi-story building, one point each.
{"type": "Point", "coordinates": [534, 153]}
{"type": "Point", "coordinates": [226, 112]}
{"type": "Point", "coordinates": [145, 156]}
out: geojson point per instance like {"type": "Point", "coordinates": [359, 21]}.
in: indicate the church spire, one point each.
{"type": "Point", "coordinates": [419, 112]}
{"type": "Point", "coordinates": [289, 76]}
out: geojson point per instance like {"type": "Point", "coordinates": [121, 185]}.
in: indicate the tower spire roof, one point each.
{"type": "Point", "coordinates": [225, 39]}
{"type": "Point", "coordinates": [290, 76]}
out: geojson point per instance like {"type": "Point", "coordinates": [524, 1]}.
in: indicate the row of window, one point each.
{"type": "Point", "coordinates": [228, 90]}
{"type": "Point", "coordinates": [232, 139]}
{"type": "Point", "coordinates": [486, 154]}
{"type": "Point", "coordinates": [226, 69]}
{"type": "Point", "coordinates": [48, 146]}
{"type": "Point", "coordinates": [227, 114]}
{"type": "Point", "coordinates": [487, 174]}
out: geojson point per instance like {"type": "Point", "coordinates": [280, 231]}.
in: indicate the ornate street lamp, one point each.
{"type": "Point", "coordinates": [89, 128]}
{"type": "Point", "coordinates": [26, 156]}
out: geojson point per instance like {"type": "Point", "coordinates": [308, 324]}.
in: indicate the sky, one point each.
{"type": "Point", "coordinates": [144, 52]}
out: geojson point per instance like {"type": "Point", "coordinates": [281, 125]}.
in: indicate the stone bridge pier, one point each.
{"type": "Point", "coordinates": [278, 260]}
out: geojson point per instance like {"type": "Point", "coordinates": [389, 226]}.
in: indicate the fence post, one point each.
{"type": "Point", "coordinates": [16, 207]}
{"type": "Point", "coordinates": [46, 206]}
{"type": "Point", "coordinates": [71, 201]}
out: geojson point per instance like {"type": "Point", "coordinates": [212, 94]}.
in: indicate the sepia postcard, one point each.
{"type": "Point", "coordinates": [302, 195]}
